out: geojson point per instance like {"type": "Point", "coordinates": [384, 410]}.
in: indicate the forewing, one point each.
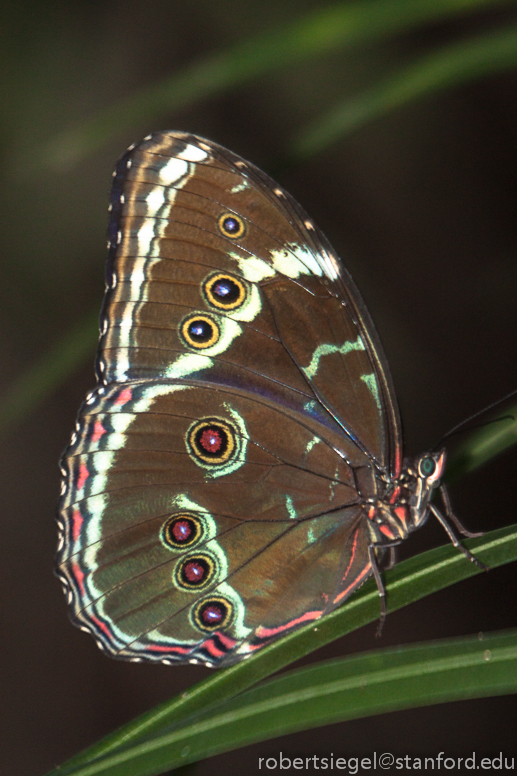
{"type": "Point", "coordinates": [300, 323]}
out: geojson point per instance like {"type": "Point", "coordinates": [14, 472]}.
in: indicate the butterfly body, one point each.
{"type": "Point", "coordinates": [237, 471]}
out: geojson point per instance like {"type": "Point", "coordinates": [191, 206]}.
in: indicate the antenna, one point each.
{"type": "Point", "coordinates": [459, 426]}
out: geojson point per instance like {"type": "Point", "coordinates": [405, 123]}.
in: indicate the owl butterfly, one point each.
{"type": "Point", "coordinates": [237, 471]}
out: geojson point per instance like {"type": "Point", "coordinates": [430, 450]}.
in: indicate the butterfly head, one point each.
{"type": "Point", "coordinates": [424, 475]}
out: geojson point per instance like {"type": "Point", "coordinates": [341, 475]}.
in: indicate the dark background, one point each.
{"type": "Point", "coordinates": [420, 204]}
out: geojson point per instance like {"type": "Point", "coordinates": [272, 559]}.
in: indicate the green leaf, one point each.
{"type": "Point", "coordinates": [458, 63]}
{"type": "Point", "coordinates": [373, 683]}
{"type": "Point", "coordinates": [339, 26]}
{"type": "Point", "coordinates": [334, 691]}
{"type": "Point", "coordinates": [407, 582]}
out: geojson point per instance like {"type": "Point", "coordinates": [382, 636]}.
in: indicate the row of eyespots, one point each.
{"type": "Point", "coordinates": [220, 291]}
{"type": "Point", "coordinates": [210, 441]}
{"type": "Point", "coordinates": [197, 571]}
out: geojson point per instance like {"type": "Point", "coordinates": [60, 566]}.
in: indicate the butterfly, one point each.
{"type": "Point", "coordinates": [237, 472]}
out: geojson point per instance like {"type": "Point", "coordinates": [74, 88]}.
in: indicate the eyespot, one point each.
{"type": "Point", "coordinates": [212, 441]}
{"type": "Point", "coordinates": [224, 291]}
{"type": "Point", "coordinates": [212, 614]}
{"type": "Point", "coordinates": [195, 572]}
{"type": "Point", "coordinates": [231, 225]}
{"type": "Point", "coordinates": [199, 331]}
{"type": "Point", "coordinates": [181, 530]}
{"type": "Point", "coordinates": [427, 467]}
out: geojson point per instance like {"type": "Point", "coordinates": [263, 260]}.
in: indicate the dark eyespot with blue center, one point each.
{"type": "Point", "coordinates": [224, 291]}
{"type": "Point", "coordinates": [213, 614]}
{"type": "Point", "coordinates": [199, 331]}
{"type": "Point", "coordinates": [427, 467]}
{"type": "Point", "coordinates": [195, 571]}
{"type": "Point", "coordinates": [182, 530]}
{"type": "Point", "coordinates": [212, 441]}
{"type": "Point", "coordinates": [231, 225]}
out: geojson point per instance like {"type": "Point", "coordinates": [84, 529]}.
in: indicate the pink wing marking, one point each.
{"type": "Point", "coordinates": [264, 632]}
{"type": "Point", "coordinates": [77, 521]}
{"type": "Point", "coordinates": [102, 625]}
{"type": "Point", "coordinates": [123, 397]}
{"type": "Point", "coordinates": [83, 476]}
{"type": "Point", "coordinates": [79, 577]}
{"type": "Point", "coordinates": [354, 584]}
{"type": "Point", "coordinates": [387, 532]}
{"type": "Point", "coordinates": [98, 431]}
{"type": "Point", "coordinates": [176, 650]}
{"type": "Point", "coordinates": [210, 647]}
{"type": "Point", "coordinates": [357, 579]}
{"type": "Point", "coordinates": [226, 640]}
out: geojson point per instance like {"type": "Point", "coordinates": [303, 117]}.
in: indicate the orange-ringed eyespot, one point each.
{"type": "Point", "coordinates": [199, 331]}
{"type": "Point", "coordinates": [231, 225]}
{"type": "Point", "coordinates": [211, 440]}
{"type": "Point", "coordinates": [195, 571]}
{"type": "Point", "coordinates": [212, 613]}
{"type": "Point", "coordinates": [182, 530]}
{"type": "Point", "coordinates": [224, 291]}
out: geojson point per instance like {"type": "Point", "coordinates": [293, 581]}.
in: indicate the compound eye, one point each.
{"type": "Point", "coordinates": [427, 467]}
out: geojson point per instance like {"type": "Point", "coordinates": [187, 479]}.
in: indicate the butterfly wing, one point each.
{"type": "Point", "coordinates": [214, 489]}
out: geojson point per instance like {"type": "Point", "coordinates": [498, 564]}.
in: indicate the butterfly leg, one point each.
{"type": "Point", "coordinates": [451, 516]}
{"type": "Point", "coordinates": [380, 586]}
{"type": "Point", "coordinates": [393, 557]}
{"type": "Point", "coordinates": [372, 554]}
{"type": "Point", "coordinates": [454, 539]}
